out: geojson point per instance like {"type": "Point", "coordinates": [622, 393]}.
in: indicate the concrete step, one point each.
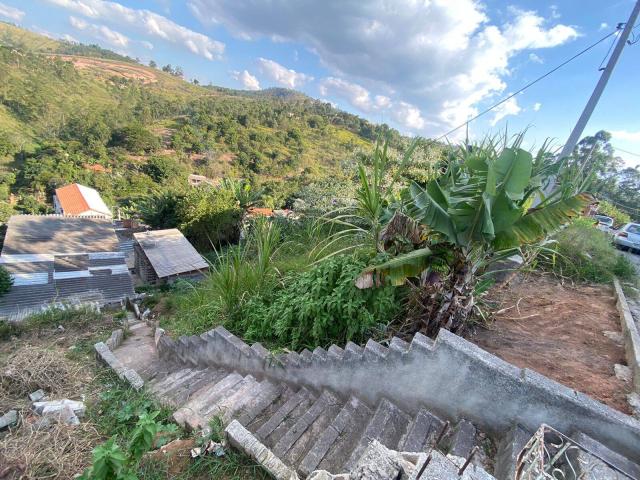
{"type": "Point", "coordinates": [190, 414]}
{"type": "Point", "coordinates": [398, 346]}
{"type": "Point", "coordinates": [183, 394]}
{"type": "Point", "coordinates": [335, 353]}
{"type": "Point", "coordinates": [319, 355]}
{"type": "Point", "coordinates": [285, 417]}
{"type": "Point", "coordinates": [255, 424]}
{"type": "Point", "coordinates": [297, 441]}
{"type": "Point", "coordinates": [388, 424]}
{"type": "Point", "coordinates": [333, 446]}
{"type": "Point", "coordinates": [422, 432]}
{"type": "Point", "coordinates": [509, 448]}
{"type": "Point", "coordinates": [462, 439]}
{"type": "Point", "coordinates": [161, 385]}
{"type": "Point", "coordinates": [172, 383]}
{"type": "Point", "coordinates": [268, 394]}
{"type": "Point", "coordinates": [226, 407]}
{"type": "Point", "coordinates": [599, 464]}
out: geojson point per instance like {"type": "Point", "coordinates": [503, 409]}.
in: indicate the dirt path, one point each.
{"type": "Point", "coordinates": [558, 331]}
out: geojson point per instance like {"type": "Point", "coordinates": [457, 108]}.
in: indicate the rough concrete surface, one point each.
{"type": "Point", "coordinates": [631, 335]}
{"type": "Point", "coordinates": [491, 393]}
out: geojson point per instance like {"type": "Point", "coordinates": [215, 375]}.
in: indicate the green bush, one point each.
{"type": "Point", "coordinates": [5, 281]}
{"type": "Point", "coordinates": [319, 307]}
{"type": "Point", "coordinates": [584, 253]}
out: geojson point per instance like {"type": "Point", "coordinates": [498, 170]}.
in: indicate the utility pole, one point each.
{"type": "Point", "coordinates": [602, 83]}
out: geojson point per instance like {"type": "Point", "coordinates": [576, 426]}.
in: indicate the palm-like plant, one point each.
{"type": "Point", "coordinates": [478, 210]}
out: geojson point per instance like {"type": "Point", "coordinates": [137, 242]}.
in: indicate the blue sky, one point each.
{"type": "Point", "coordinates": [421, 66]}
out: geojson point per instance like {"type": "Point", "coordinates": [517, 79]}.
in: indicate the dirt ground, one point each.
{"type": "Point", "coordinates": [112, 67]}
{"type": "Point", "coordinates": [558, 331]}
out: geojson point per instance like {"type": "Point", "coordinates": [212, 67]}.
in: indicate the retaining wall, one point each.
{"type": "Point", "coordinates": [451, 376]}
{"type": "Point", "coordinates": [630, 334]}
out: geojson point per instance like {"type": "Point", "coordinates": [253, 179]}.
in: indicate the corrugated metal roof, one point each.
{"type": "Point", "coordinates": [76, 199]}
{"type": "Point", "coordinates": [58, 234]}
{"type": "Point", "coordinates": [169, 252]}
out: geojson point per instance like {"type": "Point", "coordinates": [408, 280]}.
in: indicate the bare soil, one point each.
{"type": "Point", "coordinates": [111, 68]}
{"type": "Point", "coordinates": [558, 330]}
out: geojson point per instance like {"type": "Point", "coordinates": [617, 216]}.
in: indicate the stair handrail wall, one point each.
{"type": "Point", "coordinates": [450, 376]}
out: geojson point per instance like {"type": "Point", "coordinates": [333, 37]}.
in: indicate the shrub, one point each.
{"type": "Point", "coordinates": [5, 281]}
{"type": "Point", "coordinates": [584, 253]}
{"type": "Point", "coordinates": [320, 306]}
{"type": "Point", "coordinates": [135, 138]}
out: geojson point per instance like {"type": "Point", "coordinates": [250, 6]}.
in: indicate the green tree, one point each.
{"type": "Point", "coordinates": [135, 138]}
{"type": "Point", "coordinates": [209, 217]}
{"type": "Point", "coordinates": [164, 168]}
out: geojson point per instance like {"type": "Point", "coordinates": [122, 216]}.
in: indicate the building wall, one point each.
{"type": "Point", "coordinates": [143, 267]}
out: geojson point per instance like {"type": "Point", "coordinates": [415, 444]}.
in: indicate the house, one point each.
{"type": "Point", "coordinates": [62, 259]}
{"type": "Point", "coordinates": [78, 200]}
{"type": "Point", "coordinates": [197, 180]}
{"type": "Point", "coordinates": [163, 256]}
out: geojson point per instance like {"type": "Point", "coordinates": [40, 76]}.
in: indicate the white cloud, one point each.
{"type": "Point", "coordinates": [248, 81]}
{"type": "Point", "coordinates": [11, 13]}
{"type": "Point", "coordinates": [510, 107]}
{"type": "Point", "coordinates": [101, 32]}
{"type": "Point", "coordinates": [358, 96]}
{"type": "Point", "coordinates": [147, 45]}
{"type": "Point", "coordinates": [408, 115]}
{"type": "Point", "coordinates": [629, 136]}
{"type": "Point", "coordinates": [537, 106]}
{"type": "Point", "coordinates": [382, 101]}
{"type": "Point", "coordinates": [284, 76]}
{"type": "Point", "coordinates": [146, 22]}
{"type": "Point", "coordinates": [603, 26]}
{"type": "Point", "coordinates": [535, 58]}
{"type": "Point", "coordinates": [443, 57]}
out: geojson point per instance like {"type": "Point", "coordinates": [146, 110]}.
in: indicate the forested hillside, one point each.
{"type": "Point", "coordinates": [71, 112]}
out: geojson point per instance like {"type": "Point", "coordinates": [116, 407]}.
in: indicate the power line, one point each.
{"type": "Point", "coordinates": [528, 85]}
{"type": "Point", "coordinates": [626, 151]}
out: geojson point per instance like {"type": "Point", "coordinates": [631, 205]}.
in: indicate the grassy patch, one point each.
{"type": "Point", "coordinates": [584, 253]}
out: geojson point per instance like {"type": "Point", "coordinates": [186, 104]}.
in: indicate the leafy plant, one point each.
{"type": "Point", "coordinates": [6, 281]}
{"type": "Point", "coordinates": [476, 211]}
{"type": "Point", "coordinates": [319, 307]}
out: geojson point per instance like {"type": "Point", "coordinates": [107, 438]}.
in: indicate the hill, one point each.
{"type": "Point", "coordinates": [65, 107]}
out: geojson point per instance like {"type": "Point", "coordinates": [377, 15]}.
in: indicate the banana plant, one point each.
{"type": "Point", "coordinates": [477, 210]}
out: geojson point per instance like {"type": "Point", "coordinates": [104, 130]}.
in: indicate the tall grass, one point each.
{"type": "Point", "coordinates": [584, 253]}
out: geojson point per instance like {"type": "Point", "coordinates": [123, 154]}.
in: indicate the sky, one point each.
{"type": "Point", "coordinates": [422, 66]}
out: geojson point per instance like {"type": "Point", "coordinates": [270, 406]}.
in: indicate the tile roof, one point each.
{"type": "Point", "coordinates": [76, 199]}
{"type": "Point", "coordinates": [169, 252]}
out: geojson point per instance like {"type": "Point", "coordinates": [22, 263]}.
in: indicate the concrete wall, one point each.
{"type": "Point", "coordinates": [452, 377]}
{"type": "Point", "coordinates": [630, 334]}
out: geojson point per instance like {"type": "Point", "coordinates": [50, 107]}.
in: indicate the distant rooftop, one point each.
{"type": "Point", "coordinates": [58, 234]}
{"type": "Point", "coordinates": [76, 199]}
{"type": "Point", "coordinates": [169, 252]}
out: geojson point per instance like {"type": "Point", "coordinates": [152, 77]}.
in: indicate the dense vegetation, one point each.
{"type": "Point", "coordinates": [57, 122]}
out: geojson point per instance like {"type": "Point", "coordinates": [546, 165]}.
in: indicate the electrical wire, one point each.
{"type": "Point", "coordinates": [626, 151]}
{"type": "Point", "coordinates": [533, 82]}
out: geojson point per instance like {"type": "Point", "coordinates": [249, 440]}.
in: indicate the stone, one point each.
{"type": "Point", "coordinates": [9, 419]}
{"type": "Point", "coordinates": [37, 396]}
{"type": "Point", "coordinates": [616, 337]}
{"type": "Point", "coordinates": [634, 402]}
{"type": "Point", "coordinates": [56, 407]}
{"type": "Point", "coordinates": [623, 372]}
{"type": "Point", "coordinates": [64, 415]}
{"type": "Point", "coordinates": [378, 463]}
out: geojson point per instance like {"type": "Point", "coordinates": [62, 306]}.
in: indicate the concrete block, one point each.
{"type": "Point", "coordinates": [630, 333]}
{"type": "Point", "coordinates": [55, 407]}
{"type": "Point", "coordinates": [242, 439]}
{"type": "Point", "coordinates": [37, 396]}
{"type": "Point", "coordinates": [378, 463]}
{"type": "Point", "coordinates": [509, 448]}
{"type": "Point", "coordinates": [9, 419]}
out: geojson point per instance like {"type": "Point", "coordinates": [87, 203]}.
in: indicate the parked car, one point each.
{"type": "Point", "coordinates": [628, 237]}
{"type": "Point", "coordinates": [604, 223]}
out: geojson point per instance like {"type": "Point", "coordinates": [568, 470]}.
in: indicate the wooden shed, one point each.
{"type": "Point", "coordinates": [163, 256]}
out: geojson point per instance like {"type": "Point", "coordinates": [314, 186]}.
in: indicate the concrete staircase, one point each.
{"type": "Point", "coordinates": [306, 427]}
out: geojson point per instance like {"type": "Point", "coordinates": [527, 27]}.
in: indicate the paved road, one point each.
{"type": "Point", "coordinates": [634, 257]}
